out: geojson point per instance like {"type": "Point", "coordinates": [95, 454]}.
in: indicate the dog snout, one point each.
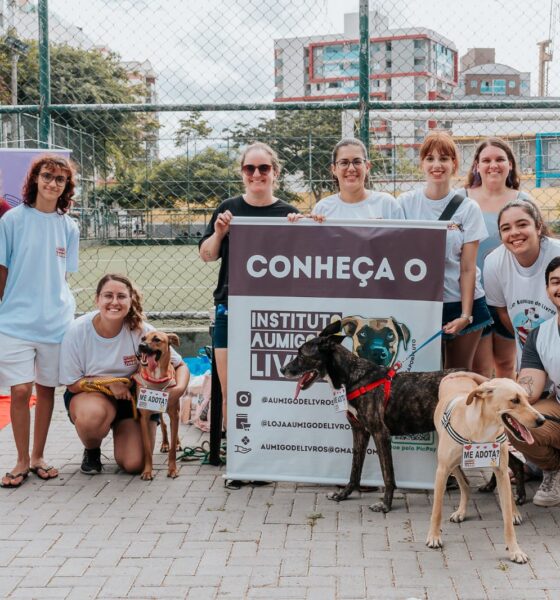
{"type": "Point", "coordinates": [540, 420]}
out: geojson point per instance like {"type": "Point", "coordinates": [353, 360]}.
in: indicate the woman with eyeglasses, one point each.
{"type": "Point", "coordinates": [493, 181]}
{"type": "Point", "coordinates": [350, 171]}
{"type": "Point", "coordinates": [38, 248]}
{"type": "Point", "coordinates": [260, 169]}
{"type": "Point", "coordinates": [465, 312]}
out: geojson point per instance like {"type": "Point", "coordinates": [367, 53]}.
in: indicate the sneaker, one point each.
{"type": "Point", "coordinates": [91, 462]}
{"type": "Point", "coordinates": [548, 493]}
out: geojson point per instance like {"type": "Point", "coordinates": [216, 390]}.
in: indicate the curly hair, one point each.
{"type": "Point", "coordinates": [51, 162]}
{"type": "Point", "coordinates": [532, 211]}
{"type": "Point", "coordinates": [513, 180]}
{"type": "Point", "coordinates": [135, 315]}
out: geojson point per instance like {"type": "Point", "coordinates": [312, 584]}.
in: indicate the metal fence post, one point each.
{"type": "Point", "coordinates": [364, 72]}
{"type": "Point", "coordinates": [44, 74]}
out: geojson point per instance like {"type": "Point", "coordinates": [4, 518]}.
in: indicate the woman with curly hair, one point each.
{"type": "Point", "coordinates": [38, 247]}
{"type": "Point", "coordinates": [104, 344]}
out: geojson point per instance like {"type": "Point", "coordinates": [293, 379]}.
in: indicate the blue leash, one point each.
{"type": "Point", "coordinates": [399, 364]}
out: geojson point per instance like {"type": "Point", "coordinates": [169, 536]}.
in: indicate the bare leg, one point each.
{"type": "Point", "coordinates": [43, 415]}
{"type": "Point", "coordinates": [504, 356]}
{"type": "Point", "coordinates": [220, 354]}
{"type": "Point", "coordinates": [128, 447]}
{"type": "Point", "coordinates": [459, 352]}
{"type": "Point", "coordinates": [20, 417]}
{"type": "Point", "coordinates": [92, 414]}
{"type": "Point", "coordinates": [483, 361]}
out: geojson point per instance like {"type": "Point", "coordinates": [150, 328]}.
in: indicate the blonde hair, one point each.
{"type": "Point", "coordinates": [275, 161]}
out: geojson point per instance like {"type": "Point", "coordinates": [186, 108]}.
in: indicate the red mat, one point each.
{"type": "Point", "coordinates": [5, 409]}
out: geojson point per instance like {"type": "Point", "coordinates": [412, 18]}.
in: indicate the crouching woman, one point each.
{"type": "Point", "coordinates": [103, 344]}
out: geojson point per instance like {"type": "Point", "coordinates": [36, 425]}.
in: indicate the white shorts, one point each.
{"type": "Point", "coordinates": [22, 361]}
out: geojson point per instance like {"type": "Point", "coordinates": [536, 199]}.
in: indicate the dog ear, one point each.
{"type": "Point", "coordinates": [173, 339]}
{"type": "Point", "coordinates": [331, 329]}
{"type": "Point", "coordinates": [479, 393]}
{"type": "Point", "coordinates": [350, 325]}
{"type": "Point", "coordinates": [403, 331]}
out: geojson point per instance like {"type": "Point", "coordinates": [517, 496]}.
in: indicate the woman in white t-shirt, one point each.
{"type": "Point", "coordinates": [104, 344]}
{"type": "Point", "coordinates": [493, 181]}
{"type": "Point", "coordinates": [513, 272]}
{"type": "Point", "coordinates": [350, 170]}
{"type": "Point", "coordinates": [465, 312]}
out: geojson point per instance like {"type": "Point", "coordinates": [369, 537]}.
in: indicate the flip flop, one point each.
{"type": "Point", "coordinates": [46, 470]}
{"type": "Point", "coordinates": [10, 476]}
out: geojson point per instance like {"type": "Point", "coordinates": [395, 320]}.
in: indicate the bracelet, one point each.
{"type": "Point", "coordinates": [468, 317]}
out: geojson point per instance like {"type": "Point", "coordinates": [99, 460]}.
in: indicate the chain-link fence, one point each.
{"type": "Point", "coordinates": [155, 99]}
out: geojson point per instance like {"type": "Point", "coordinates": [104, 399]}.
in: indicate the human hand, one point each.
{"type": "Point", "coordinates": [221, 226]}
{"type": "Point", "coordinates": [120, 391]}
{"type": "Point", "coordinates": [456, 326]}
{"type": "Point", "coordinates": [295, 217]}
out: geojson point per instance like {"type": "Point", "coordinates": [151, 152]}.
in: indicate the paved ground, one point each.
{"type": "Point", "coordinates": [115, 536]}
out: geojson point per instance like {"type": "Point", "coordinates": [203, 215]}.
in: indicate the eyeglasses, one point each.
{"type": "Point", "coordinates": [47, 177]}
{"type": "Point", "coordinates": [262, 169]}
{"type": "Point", "coordinates": [344, 163]}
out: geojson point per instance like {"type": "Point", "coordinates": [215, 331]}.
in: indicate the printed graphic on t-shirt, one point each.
{"type": "Point", "coordinates": [526, 320]}
{"type": "Point", "coordinates": [455, 227]}
{"type": "Point", "coordinates": [130, 361]}
{"type": "Point", "coordinates": [61, 252]}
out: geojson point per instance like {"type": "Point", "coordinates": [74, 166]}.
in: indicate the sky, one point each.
{"type": "Point", "coordinates": [222, 50]}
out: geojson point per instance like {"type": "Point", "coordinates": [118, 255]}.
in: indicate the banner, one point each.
{"type": "Point", "coordinates": [286, 283]}
{"type": "Point", "coordinates": [14, 164]}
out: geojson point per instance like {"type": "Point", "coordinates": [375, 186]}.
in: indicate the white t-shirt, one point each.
{"type": "Point", "coordinates": [522, 290]}
{"type": "Point", "coordinates": [377, 205]}
{"type": "Point", "coordinates": [38, 250]}
{"type": "Point", "coordinates": [467, 225]}
{"type": "Point", "coordinates": [84, 353]}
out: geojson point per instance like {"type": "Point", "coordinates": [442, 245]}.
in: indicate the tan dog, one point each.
{"type": "Point", "coordinates": [376, 339]}
{"type": "Point", "coordinates": [157, 373]}
{"type": "Point", "coordinates": [479, 413]}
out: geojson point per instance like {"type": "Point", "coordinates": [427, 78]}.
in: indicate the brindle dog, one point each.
{"type": "Point", "coordinates": [410, 409]}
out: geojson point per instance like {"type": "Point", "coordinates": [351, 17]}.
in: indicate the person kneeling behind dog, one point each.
{"type": "Point", "coordinates": [103, 344]}
{"type": "Point", "coordinates": [539, 363]}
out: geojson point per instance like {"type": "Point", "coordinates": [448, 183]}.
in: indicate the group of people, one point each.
{"type": "Point", "coordinates": [498, 249]}
{"type": "Point", "coordinates": [495, 294]}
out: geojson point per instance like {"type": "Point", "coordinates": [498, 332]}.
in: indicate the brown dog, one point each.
{"type": "Point", "coordinates": [157, 373]}
{"type": "Point", "coordinates": [467, 412]}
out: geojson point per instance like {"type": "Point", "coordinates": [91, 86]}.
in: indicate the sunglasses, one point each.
{"type": "Point", "coordinates": [262, 169]}
{"type": "Point", "coordinates": [60, 180]}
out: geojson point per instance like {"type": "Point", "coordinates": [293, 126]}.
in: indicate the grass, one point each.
{"type": "Point", "coordinates": [171, 278]}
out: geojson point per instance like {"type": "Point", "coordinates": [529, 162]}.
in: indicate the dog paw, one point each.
{"type": "Point", "coordinates": [518, 556]}
{"type": "Point", "coordinates": [173, 473]}
{"type": "Point", "coordinates": [337, 496]}
{"type": "Point", "coordinates": [164, 448]}
{"type": "Point", "coordinates": [380, 507]}
{"type": "Point", "coordinates": [457, 517]}
{"type": "Point", "coordinates": [147, 476]}
{"type": "Point", "coordinates": [520, 499]}
{"type": "Point", "coordinates": [517, 519]}
{"type": "Point", "coordinates": [434, 541]}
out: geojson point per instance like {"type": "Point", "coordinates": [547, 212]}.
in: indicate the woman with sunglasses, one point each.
{"type": "Point", "coordinates": [493, 181]}
{"type": "Point", "coordinates": [38, 248]}
{"type": "Point", "coordinates": [350, 171]}
{"type": "Point", "coordinates": [465, 312]}
{"type": "Point", "coordinates": [260, 169]}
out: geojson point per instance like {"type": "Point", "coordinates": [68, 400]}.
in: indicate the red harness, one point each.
{"type": "Point", "coordinates": [386, 381]}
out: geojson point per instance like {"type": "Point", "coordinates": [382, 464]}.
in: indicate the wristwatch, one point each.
{"type": "Point", "coordinates": [468, 317]}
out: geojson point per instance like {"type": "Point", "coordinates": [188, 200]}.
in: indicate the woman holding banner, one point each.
{"type": "Point", "coordinates": [38, 248]}
{"type": "Point", "coordinates": [493, 181]}
{"type": "Point", "coordinates": [260, 169]}
{"type": "Point", "coordinates": [350, 171]}
{"type": "Point", "coordinates": [465, 312]}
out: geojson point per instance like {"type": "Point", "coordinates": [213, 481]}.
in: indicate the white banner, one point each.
{"type": "Point", "coordinates": [286, 283]}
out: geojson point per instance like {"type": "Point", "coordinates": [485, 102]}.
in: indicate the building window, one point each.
{"type": "Point", "coordinates": [388, 65]}
{"type": "Point", "coordinates": [474, 84]}
{"type": "Point", "coordinates": [388, 46]}
{"type": "Point", "coordinates": [418, 44]}
{"type": "Point", "coordinates": [511, 84]}
{"type": "Point", "coordinates": [334, 84]}
{"type": "Point", "coordinates": [375, 47]}
{"type": "Point", "coordinates": [496, 87]}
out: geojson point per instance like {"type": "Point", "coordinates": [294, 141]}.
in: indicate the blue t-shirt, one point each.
{"type": "Point", "coordinates": [38, 250]}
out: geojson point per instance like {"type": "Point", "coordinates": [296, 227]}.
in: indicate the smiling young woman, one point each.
{"type": "Point", "coordinates": [260, 169]}
{"type": "Point", "coordinates": [513, 271]}
{"type": "Point", "coordinates": [465, 313]}
{"type": "Point", "coordinates": [493, 181]}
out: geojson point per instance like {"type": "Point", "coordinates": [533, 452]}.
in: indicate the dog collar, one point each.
{"type": "Point", "coordinates": [446, 423]}
{"type": "Point", "coordinates": [150, 379]}
{"type": "Point", "coordinates": [385, 381]}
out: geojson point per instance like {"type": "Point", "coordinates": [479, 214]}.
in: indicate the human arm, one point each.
{"type": "Point", "coordinates": [532, 374]}
{"type": "Point", "coordinates": [504, 318]}
{"type": "Point", "coordinates": [210, 248]}
{"type": "Point", "coordinates": [467, 280]}
{"type": "Point", "coordinates": [3, 278]}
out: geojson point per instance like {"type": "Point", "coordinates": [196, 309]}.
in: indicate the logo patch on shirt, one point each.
{"type": "Point", "coordinates": [455, 227]}
{"type": "Point", "coordinates": [130, 361]}
{"type": "Point", "coordinates": [61, 252]}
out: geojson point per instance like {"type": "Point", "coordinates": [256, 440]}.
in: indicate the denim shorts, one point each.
{"type": "Point", "coordinates": [497, 327]}
{"type": "Point", "coordinates": [124, 408]}
{"type": "Point", "coordinates": [480, 313]}
{"type": "Point", "coordinates": [220, 326]}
